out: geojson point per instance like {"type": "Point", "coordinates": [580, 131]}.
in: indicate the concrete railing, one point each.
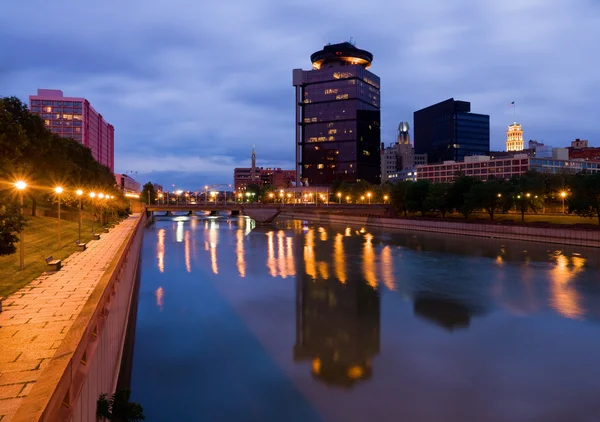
{"type": "Point", "coordinates": [87, 363]}
{"type": "Point", "coordinates": [563, 236]}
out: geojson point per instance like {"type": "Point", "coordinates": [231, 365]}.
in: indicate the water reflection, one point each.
{"type": "Point", "coordinates": [160, 250]}
{"type": "Point", "coordinates": [369, 260]}
{"type": "Point", "coordinates": [565, 299]}
{"type": "Point", "coordinates": [188, 264]}
{"type": "Point", "coordinates": [337, 329]}
{"type": "Point", "coordinates": [160, 294]}
{"type": "Point", "coordinates": [443, 312]}
{"type": "Point", "coordinates": [239, 250]}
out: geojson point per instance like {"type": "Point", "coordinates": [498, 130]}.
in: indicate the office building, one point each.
{"type": "Point", "coordinates": [128, 185]}
{"type": "Point", "coordinates": [482, 167]}
{"type": "Point", "coordinates": [337, 118]}
{"type": "Point", "coordinates": [449, 131]}
{"type": "Point", "coordinates": [74, 117]}
{"type": "Point", "coordinates": [399, 158]}
{"type": "Point", "coordinates": [514, 138]}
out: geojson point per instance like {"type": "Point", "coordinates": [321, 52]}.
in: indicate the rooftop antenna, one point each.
{"type": "Point", "coordinates": [354, 44]}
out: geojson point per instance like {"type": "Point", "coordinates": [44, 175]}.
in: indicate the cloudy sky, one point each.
{"type": "Point", "coordinates": [190, 86]}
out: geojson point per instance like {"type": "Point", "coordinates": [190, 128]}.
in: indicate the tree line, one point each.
{"type": "Point", "coordinates": [529, 192]}
{"type": "Point", "coordinates": [30, 152]}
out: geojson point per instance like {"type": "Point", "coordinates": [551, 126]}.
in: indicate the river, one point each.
{"type": "Point", "coordinates": [298, 322]}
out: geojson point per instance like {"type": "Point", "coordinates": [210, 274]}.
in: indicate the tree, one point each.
{"type": "Point", "coordinates": [457, 195]}
{"type": "Point", "coordinates": [529, 191]}
{"type": "Point", "coordinates": [252, 192]}
{"type": "Point", "coordinates": [119, 408]}
{"type": "Point", "coordinates": [584, 199]}
{"type": "Point", "coordinates": [437, 198]}
{"type": "Point", "coordinates": [398, 197]}
{"type": "Point", "coordinates": [487, 196]}
{"type": "Point", "coordinates": [148, 192]}
{"type": "Point", "coordinates": [416, 193]}
{"type": "Point", "coordinates": [11, 223]}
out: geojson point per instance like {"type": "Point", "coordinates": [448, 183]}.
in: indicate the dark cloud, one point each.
{"type": "Point", "coordinates": [190, 86]}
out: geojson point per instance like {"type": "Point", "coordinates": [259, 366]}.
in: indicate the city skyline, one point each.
{"type": "Point", "coordinates": [182, 118]}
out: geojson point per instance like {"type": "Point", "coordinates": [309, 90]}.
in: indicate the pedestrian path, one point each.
{"type": "Point", "coordinates": [36, 319]}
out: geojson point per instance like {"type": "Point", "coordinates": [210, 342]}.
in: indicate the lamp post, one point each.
{"type": "Point", "coordinates": [58, 191]}
{"type": "Point", "coordinates": [339, 195]}
{"type": "Point", "coordinates": [92, 196]}
{"type": "Point", "coordinates": [385, 198]}
{"type": "Point", "coordinates": [563, 194]}
{"type": "Point", "coordinates": [369, 196]}
{"type": "Point", "coordinates": [21, 185]}
{"type": "Point", "coordinates": [79, 194]}
{"type": "Point", "coordinates": [271, 195]}
{"type": "Point", "coordinates": [347, 199]}
{"type": "Point", "coordinates": [205, 195]}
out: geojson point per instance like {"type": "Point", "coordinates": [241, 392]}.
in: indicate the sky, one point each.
{"type": "Point", "coordinates": [191, 86]}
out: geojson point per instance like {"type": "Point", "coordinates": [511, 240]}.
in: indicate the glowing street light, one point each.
{"type": "Point", "coordinates": [21, 186]}
{"type": "Point", "coordinates": [563, 195]}
{"type": "Point", "coordinates": [79, 194]}
{"type": "Point", "coordinates": [385, 198]}
{"type": "Point", "coordinates": [93, 195]}
{"type": "Point", "coordinates": [347, 199]}
{"type": "Point", "coordinates": [369, 196]}
{"type": "Point", "coordinates": [339, 195]}
{"type": "Point", "coordinates": [58, 191]}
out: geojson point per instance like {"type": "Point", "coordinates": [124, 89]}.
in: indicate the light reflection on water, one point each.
{"type": "Point", "coordinates": [373, 308]}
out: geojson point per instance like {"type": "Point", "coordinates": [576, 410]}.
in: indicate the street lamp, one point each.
{"type": "Point", "coordinates": [58, 191]}
{"type": "Point", "coordinates": [385, 198]}
{"type": "Point", "coordinates": [101, 196]}
{"type": "Point", "coordinates": [347, 199]}
{"type": "Point", "coordinates": [362, 198]}
{"type": "Point", "coordinates": [21, 185]}
{"type": "Point", "coordinates": [369, 196]}
{"type": "Point", "coordinates": [271, 195]}
{"type": "Point", "coordinates": [93, 195]}
{"type": "Point", "coordinates": [206, 195]}
{"type": "Point", "coordinates": [339, 195]}
{"type": "Point", "coordinates": [79, 194]}
{"type": "Point", "coordinates": [563, 195]}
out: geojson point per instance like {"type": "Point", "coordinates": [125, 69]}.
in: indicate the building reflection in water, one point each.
{"type": "Point", "coordinates": [339, 258]}
{"type": "Point", "coordinates": [280, 258]}
{"type": "Point", "coordinates": [160, 250]}
{"type": "Point", "coordinates": [564, 297]}
{"type": "Point", "coordinates": [368, 264]}
{"type": "Point", "coordinates": [446, 313]}
{"type": "Point", "coordinates": [179, 232]}
{"type": "Point", "coordinates": [387, 268]}
{"type": "Point", "coordinates": [337, 319]}
{"type": "Point", "coordinates": [160, 294]}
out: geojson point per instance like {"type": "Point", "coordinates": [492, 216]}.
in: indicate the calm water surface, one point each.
{"type": "Point", "coordinates": [297, 322]}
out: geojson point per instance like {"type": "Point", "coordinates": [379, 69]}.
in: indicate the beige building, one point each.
{"type": "Point", "coordinates": [514, 138]}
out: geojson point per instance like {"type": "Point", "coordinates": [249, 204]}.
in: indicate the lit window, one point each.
{"type": "Point", "coordinates": [332, 131]}
{"type": "Point", "coordinates": [341, 97]}
{"type": "Point", "coordinates": [48, 109]}
{"type": "Point", "coordinates": [47, 122]}
{"type": "Point", "coordinates": [320, 166]}
{"type": "Point", "coordinates": [331, 91]}
{"type": "Point", "coordinates": [314, 119]}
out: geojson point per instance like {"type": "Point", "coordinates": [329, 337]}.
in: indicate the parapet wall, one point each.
{"type": "Point", "coordinates": [574, 237]}
{"type": "Point", "coordinates": [88, 361]}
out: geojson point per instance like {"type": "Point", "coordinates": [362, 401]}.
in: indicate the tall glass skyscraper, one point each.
{"type": "Point", "coordinates": [338, 118]}
{"type": "Point", "coordinates": [449, 131]}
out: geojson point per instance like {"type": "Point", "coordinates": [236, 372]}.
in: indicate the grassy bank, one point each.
{"type": "Point", "coordinates": [41, 240]}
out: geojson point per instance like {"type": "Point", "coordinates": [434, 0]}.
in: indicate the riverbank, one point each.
{"type": "Point", "coordinates": [563, 236]}
{"type": "Point", "coordinates": [61, 337]}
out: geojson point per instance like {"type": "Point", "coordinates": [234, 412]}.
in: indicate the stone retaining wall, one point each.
{"type": "Point", "coordinates": [574, 237]}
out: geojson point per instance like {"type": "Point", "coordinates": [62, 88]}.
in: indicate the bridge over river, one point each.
{"type": "Point", "coordinates": [266, 213]}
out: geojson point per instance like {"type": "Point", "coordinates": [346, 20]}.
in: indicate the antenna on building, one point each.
{"type": "Point", "coordinates": [352, 42]}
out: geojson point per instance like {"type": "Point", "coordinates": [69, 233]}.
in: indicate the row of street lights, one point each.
{"type": "Point", "coordinates": [21, 185]}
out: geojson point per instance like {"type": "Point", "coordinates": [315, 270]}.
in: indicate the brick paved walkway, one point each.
{"type": "Point", "coordinates": [36, 318]}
